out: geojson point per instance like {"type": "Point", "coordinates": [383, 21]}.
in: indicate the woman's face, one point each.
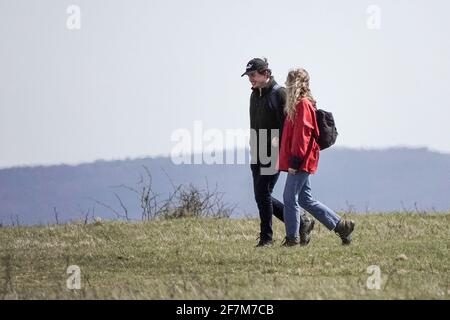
{"type": "Point", "coordinates": [257, 80]}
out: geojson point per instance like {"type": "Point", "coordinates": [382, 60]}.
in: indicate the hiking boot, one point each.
{"type": "Point", "coordinates": [344, 230]}
{"type": "Point", "coordinates": [290, 242]}
{"type": "Point", "coordinates": [264, 243]}
{"type": "Point", "coordinates": [305, 231]}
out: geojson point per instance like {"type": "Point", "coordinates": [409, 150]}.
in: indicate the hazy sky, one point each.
{"type": "Point", "coordinates": [138, 70]}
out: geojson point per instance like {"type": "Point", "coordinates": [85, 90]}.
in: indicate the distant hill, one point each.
{"type": "Point", "coordinates": [348, 179]}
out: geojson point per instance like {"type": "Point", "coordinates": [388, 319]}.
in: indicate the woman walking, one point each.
{"type": "Point", "coordinates": [299, 156]}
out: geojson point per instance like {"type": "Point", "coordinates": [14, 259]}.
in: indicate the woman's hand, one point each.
{"type": "Point", "coordinates": [292, 171]}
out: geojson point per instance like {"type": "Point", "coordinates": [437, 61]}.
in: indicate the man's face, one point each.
{"type": "Point", "coordinates": [257, 80]}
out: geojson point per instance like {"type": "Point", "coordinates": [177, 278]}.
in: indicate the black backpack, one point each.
{"type": "Point", "coordinates": [325, 122]}
{"type": "Point", "coordinates": [327, 129]}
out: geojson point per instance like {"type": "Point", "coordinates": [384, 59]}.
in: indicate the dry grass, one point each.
{"type": "Point", "coordinates": [206, 258]}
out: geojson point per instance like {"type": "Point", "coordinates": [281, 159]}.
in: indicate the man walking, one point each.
{"type": "Point", "coordinates": [267, 103]}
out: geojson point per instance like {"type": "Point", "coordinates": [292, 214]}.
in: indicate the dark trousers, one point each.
{"type": "Point", "coordinates": [267, 205]}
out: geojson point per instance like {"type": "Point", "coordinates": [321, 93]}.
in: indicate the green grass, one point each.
{"type": "Point", "coordinates": [216, 259]}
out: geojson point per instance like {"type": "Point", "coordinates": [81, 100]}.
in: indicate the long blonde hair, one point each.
{"type": "Point", "coordinates": [297, 87]}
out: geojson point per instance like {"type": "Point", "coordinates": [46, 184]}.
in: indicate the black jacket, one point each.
{"type": "Point", "coordinates": [265, 115]}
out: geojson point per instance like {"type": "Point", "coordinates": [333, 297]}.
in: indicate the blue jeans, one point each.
{"type": "Point", "coordinates": [297, 193]}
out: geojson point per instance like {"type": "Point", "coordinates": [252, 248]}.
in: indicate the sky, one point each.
{"type": "Point", "coordinates": [115, 79]}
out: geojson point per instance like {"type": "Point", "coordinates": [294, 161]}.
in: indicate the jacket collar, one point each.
{"type": "Point", "coordinates": [268, 87]}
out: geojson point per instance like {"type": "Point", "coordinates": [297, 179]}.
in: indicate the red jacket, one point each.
{"type": "Point", "coordinates": [299, 150]}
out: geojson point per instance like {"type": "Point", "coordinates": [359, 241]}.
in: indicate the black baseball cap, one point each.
{"type": "Point", "coordinates": [255, 65]}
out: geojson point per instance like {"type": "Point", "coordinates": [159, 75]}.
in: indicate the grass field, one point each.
{"type": "Point", "coordinates": [200, 258]}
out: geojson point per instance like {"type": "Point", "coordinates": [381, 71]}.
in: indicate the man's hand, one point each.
{"type": "Point", "coordinates": [275, 142]}
{"type": "Point", "coordinates": [292, 171]}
